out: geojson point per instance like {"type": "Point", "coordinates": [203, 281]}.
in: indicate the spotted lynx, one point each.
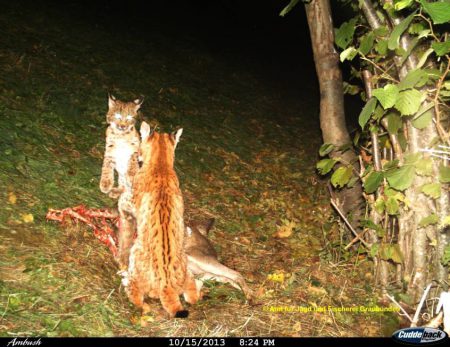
{"type": "Point", "coordinates": [122, 145]}
{"type": "Point", "coordinates": [157, 266]}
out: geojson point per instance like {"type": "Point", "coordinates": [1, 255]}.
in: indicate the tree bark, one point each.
{"type": "Point", "coordinates": [332, 114]}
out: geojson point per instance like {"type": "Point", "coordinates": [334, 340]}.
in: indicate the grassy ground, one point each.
{"type": "Point", "coordinates": [246, 158]}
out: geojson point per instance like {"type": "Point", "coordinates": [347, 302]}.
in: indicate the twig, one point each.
{"type": "Point", "coordinates": [367, 78]}
{"type": "Point", "coordinates": [401, 308]}
{"type": "Point", "coordinates": [109, 295]}
{"type": "Point", "coordinates": [348, 223]}
{"type": "Point", "coordinates": [355, 239]}
{"type": "Point", "coordinates": [394, 141]}
{"type": "Point", "coordinates": [384, 74]}
{"type": "Point", "coordinates": [419, 308]}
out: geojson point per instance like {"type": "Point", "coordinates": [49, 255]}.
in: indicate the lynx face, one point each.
{"type": "Point", "coordinates": [122, 115]}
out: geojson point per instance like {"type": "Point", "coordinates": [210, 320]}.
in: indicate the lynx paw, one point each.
{"type": "Point", "coordinates": [106, 186]}
{"type": "Point", "coordinates": [124, 275]}
{"type": "Point", "coordinates": [114, 193]}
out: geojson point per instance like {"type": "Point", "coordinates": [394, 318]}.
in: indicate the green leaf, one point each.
{"type": "Point", "coordinates": [391, 252]}
{"type": "Point", "coordinates": [401, 4]}
{"type": "Point", "coordinates": [374, 250]}
{"type": "Point", "coordinates": [424, 57]}
{"type": "Point", "coordinates": [366, 43]}
{"type": "Point", "coordinates": [424, 167]}
{"type": "Point", "coordinates": [391, 165]}
{"type": "Point", "coordinates": [382, 47]}
{"type": "Point", "coordinates": [424, 33]}
{"type": "Point", "coordinates": [423, 120]}
{"type": "Point", "coordinates": [348, 54]}
{"type": "Point", "coordinates": [445, 260]}
{"type": "Point", "coordinates": [367, 111]}
{"type": "Point", "coordinates": [429, 220]}
{"type": "Point", "coordinates": [439, 11]}
{"type": "Point", "coordinates": [396, 254]}
{"type": "Point", "coordinates": [351, 89]}
{"type": "Point", "coordinates": [381, 31]}
{"type": "Point", "coordinates": [369, 224]}
{"type": "Point", "coordinates": [444, 174]}
{"type": "Point", "coordinates": [400, 178]}
{"type": "Point", "coordinates": [325, 149]}
{"type": "Point", "coordinates": [416, 28]}
{"type": "Point", "coordinates": [411, 47]}
{"type": "Point", "coordinates": [373, 181]}
{"type": "Point", "coordinates": [352, 181]}
{"type": "Point", "coordinates": [344, 34]}
{"type": "Point", "coordinates": [379, 205]}
{"type": "Point", "coordinates": [433, 190]}
{"type": "Point", "coordinates": [341, 176]}
{"type": "Point", "coordinates": [408, 102]}
{"type": "Point", "coordinates": [325, 165]}
{"type": "Point", "coordinates": [441, 48]}
{"type": "Point", "coordinates": [412, 158]}
{"type": "Point", "coordinates": [378, 113]}
{"type": "Point", "coordinates": [288, 8]}
{"type": "Point", "coordinates": [387, 96]}
{"type": "Point", "coordinates": [398, 31]}
{"type": "Point", "coordinates": [392, 206]}
{"type": "Point", "coordinates": [446, 221]}
{"type": "Point", "coordinates": [413, 78]}
{"type": "Point", "coordinates": [394, 123]}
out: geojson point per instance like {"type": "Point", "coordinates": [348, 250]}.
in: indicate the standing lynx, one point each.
{"type": "Point", "coordinates": [122, 145]}
{"type": "Point", "coordinates": [157, 265]}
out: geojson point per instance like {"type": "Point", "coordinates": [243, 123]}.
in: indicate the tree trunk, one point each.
{"type": "Point", "coordinates": [332, 114]}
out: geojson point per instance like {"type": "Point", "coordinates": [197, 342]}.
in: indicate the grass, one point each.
{"type": "Point", "coordinates": [247, 158]}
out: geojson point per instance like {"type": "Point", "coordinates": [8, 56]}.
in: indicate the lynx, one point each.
{"type": "Point", "coordinates": [121, 155]}
{"type": "Point", "coordinates": [157, 266]}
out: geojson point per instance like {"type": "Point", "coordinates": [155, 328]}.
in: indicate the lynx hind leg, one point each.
{"type": "Point", "coordinates": [170, 300]}
{"type": "Point", "coordinates": [191, 291]}
{"type": "Point", "coordinates": [135, 294]}
{"type": "Point", "coordinates": [126, 234]}
{"type": "Point", "coordinates": [199, 285]}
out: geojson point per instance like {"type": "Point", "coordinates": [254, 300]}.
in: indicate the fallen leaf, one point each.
{"type": "Point", "coordinates": [12, 198]}
{"type": "Point", "coordinates": [28, 218]}
{"type": "Point", "coordinates": [276, 277]}
{"type": "Point", "coordinates": [285, 230]}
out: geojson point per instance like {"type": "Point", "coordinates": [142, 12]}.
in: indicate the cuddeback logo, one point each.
{"type": "Point", "coordinates": [419, 335]}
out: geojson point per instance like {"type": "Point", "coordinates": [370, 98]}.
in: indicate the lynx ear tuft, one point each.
{"type": "Point", "coordinates": [111, 100]}
{"type": "Point", "coordinates": [138, 102]}
{"type": "Point", "coordinates": [145, 131]}
{"type": "Point", "coordinates": [176, 135]}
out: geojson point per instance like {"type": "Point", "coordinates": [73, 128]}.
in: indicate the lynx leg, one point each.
{"type": "Point", "coordinates": [199, 285]}
{"type": "Point", "coordinates": [135, 294]}
{"type": "Point", "coordinates": [114, 193]}
{"type": "Point", "coordinates": [191, 292]}
{"type": "Point", "coordinates": [126, 234]}
{"type": "Point", "coordinates": [107, 178]}
{"type": "Point", "coordinates": [170, 300]}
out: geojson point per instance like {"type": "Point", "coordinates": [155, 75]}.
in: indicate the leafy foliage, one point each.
{"type": "Point", "coordinates": [439, 11]}
{"type": "Point", "coordinates": [344, 34]}
{"type": "Point", "coordinates": [407, 90]}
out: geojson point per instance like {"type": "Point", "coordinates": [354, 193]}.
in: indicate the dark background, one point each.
{"type": "Point", "coordinates": [248, 32]}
